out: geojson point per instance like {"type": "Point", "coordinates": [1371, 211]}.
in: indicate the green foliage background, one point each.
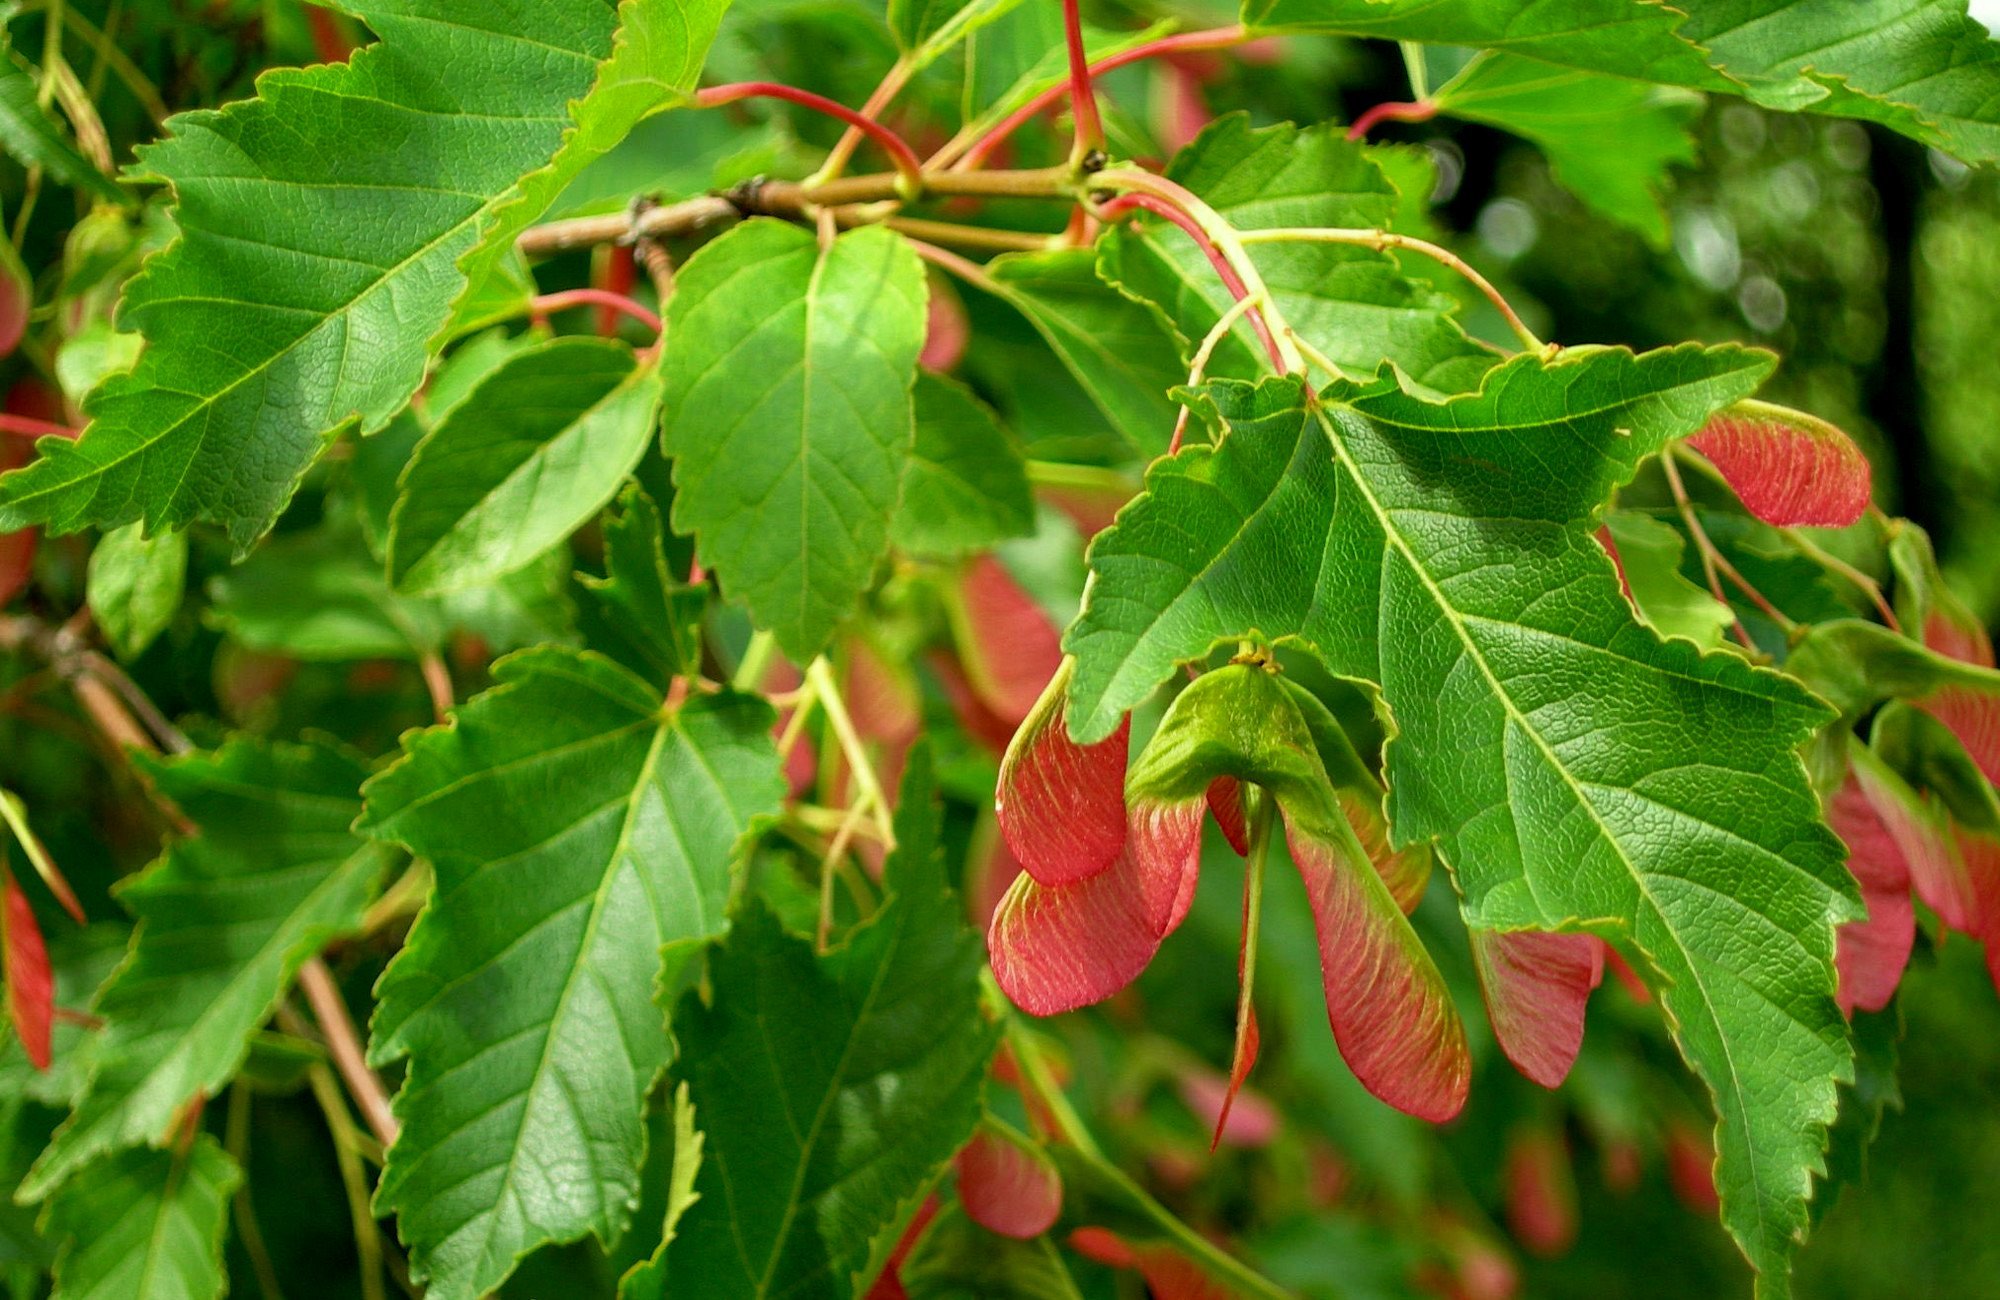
{"type": "Point", "coordinates": [1866, 259]}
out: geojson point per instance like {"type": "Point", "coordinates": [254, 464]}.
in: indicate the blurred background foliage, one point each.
{"type": "Point", "coordinates": [1870, 264]}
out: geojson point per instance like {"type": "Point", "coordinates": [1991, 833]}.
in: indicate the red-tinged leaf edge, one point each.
{"type": "Point", "coordinates": [17, 300]}
{"type": "Point", "coordinates": [1008, 643]}
{"type": "Point", "coordinates": [1225, 804]}
{"type": "Point", "coordinates": [1236, 1116]}
{"type": "Point", "coordinates": [31, 984]}
{"type": "Point", "coordinates": [1691, 1168]}
{"type": "Point", "coordinates": [1391, 1014]}
{"type": "Point", "coordinates": [1973, 715]}
{"type": "Point", "coordinates": [1061, 805]}
{"type": "Point", "coordinates": [1536, 986]}
{"type": "Point", "coordinates": [1610, 546]}
{"type": "Point", "coordinates": [1980, 854]}
{"type": "Point", "coordinates": [889, 1286]}
{"type": "Point", "coordinates": [1929, 609]}
{"type": "Point", "coordinates": [1163, 842]}
{"type": "Point", "coordinates": [1541, 1192]}
{"type": "Point", "coordinates": [1007, 1183]}
{"type": "Point", "coordinates": [1169, 1274]}
{"type": "Point", "coordinates": [1871, 954]}
{"type": "Point", "coordinates": [1055, 948]}
{"type": "Point", "coordinates": [982, 724]}
{"type": "Point", "coordinates": [1788, 468]}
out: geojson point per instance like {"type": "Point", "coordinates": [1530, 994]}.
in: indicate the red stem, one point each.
{"type": "Point", "coordinates": [1423, 110]}
{"type": "Point", "coordinates": [1089, 126]}
{"type": "Point", "coordinates": [620, 272]}
{"type": "Point", "coordinates": [26, 426]}
{"type": "Point", "coordinates": [1214, 38]}
{"type": "Point", "coordinates": [601, 298]}
{"type": "Point", "coordinates": [1230, 280]}
{"type": "Point", "coordinates": [906, 160]}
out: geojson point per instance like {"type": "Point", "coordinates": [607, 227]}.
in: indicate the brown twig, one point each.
{"type": "Point", "coordinates": [343, 1044]}
{"type": "Point", "coordinates": [1704, 548]}
{"type": "Point", "coordinates": [782, 199]}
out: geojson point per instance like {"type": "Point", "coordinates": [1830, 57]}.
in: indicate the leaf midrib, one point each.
{"type": "Point", "coordinates": [1639, 878]}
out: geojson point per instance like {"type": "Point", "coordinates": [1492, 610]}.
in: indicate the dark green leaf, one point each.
{"type": "Point", "coordinates": [966, 486]}
{"type": "Point", "coordinates": [1854, 666]}
{"type": "Point", "coordinates": [145, 1223]}
{"type": "Point", "coordinates": [1569, 764]}
{"type": "Point", "coordinates": [830, 1090]}
{"type": "Point", "coordinates": [575, 827]}
{"type": "Point", "coordinates": [788, 415]}
{"type": "Point", "coordinates": [956, 1259]}
{"type": "Point", "coordinates": [32, 138]}
{"type": "Point", "coordinates": [1120, 351]}
{"type": "Point", "coordinates": [642, 615]}
{"type": "Point", "coordinates": [322, 252]}
{"type": "Point", "coordinates": [225, 920]}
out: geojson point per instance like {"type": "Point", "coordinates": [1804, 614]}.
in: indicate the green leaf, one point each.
{"type": "Point", "coordinates": [319, 595]}
{"type": "Point", "coordinates": [32, 137]}
{"type": "Point", "coordinates": [1120, 351]}
{"type": "Point", "coordinates": [145, 1223]}
{"type": "Point", "coordinates": [225, 920]}
{"type": "Point", "coordinates": [328, 228]}
{"type": "Point", "coordinates": [789, 415]}
{"type": "Point", "coordinates": [82, 959]}
{"type": "Point", "coordinates": [1650, 555]}
{"type": "Point", "coordinates": [92, 353]}
{"type": "Point", "coordinates": [647, 1280]}
{"type": "Point", "coordinates": [644, 617]}
{"type": "Point", "coordinates": [1921, 67]}
{"type": "Point", "coordinates": [575, 826]}
{"type": "Point", "coordinates": [1854, 666]}
{"type": "Point", "coordinates": [1352, 304]}
{"type": "Point", "coordinates": [965, 488]}
{"type": "Point", "coordinates": [135, 586]}
{"type": "Point", "coordinates": [830, 1090]}
{"type": "Point", "coordinates": [528, 456]}
{"type": "Point", "coordinates": [1572, 768]}
{"type": "Point", "coordinates": [1609, 140]}
{"type": "Point", "coordinates": [956, 1259]}
{"type": "Point", "coordinates": [1622, 37]}
{"type": "Point", "coordinates": [1877, 1039]}
{"type": "Point", "coordinates": [925, 29]}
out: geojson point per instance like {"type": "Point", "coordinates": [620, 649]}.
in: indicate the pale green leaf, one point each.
{"type": "Point", "coordinates": [789, 415]}
{"type": "Point", "coordinates": [328, 228]}
{"type": "Point", "coordinates": [134, 586]}
{"type": "Point", "coordinates": [576, 825]}
{"type": "Point", "coordinates": [225, 920]}
{"type": "Point", "coordinates": [1572, 768]}
{"type": "Point", "coordinates": [145, 1224]}
{"type": "Point", "coordinates": [540, 445]}
{"type": "Point", "coordinates": [830, 1089]}
{"type": "Point", "coordinates": [1650, 555]}
{"type": "Point", "coordinates": [966, 487]}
